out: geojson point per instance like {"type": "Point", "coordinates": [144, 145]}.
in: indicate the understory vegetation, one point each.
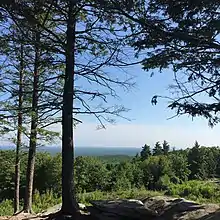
{"type": "Point", "coordinates": [191, 173]}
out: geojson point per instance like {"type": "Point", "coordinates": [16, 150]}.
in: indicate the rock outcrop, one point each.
{"type": "Point", "coordinates": [153, 208]}
{"type": "Point", "coordinates": [57, 208]}
{"type": "Point", "coordinates": [121, 209]}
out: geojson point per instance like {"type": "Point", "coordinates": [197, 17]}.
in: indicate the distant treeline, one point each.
{"type": "Point", "coordinates": [153, 168]}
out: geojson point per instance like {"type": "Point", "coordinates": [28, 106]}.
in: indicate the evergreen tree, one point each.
{"type": "Point", "coordinates": [162, 34]}
{"type": "Point", "coordinates": [197, 162]}
{"type": "Point", "coordinates": [166, 147]}
{"type": "Point", "coordinates": [145, 152]}
{"type": "Point", "coordinates": [88, 40]}
{"type": "Point", "coordinates": [180, 166]}
{"type": "Point", "coordinates": [193, 160]}
{"type": "Point", "coordinates": [19, 131]}
{"type": "Point", "coordinates": [157, 150]}
{"type": "Point", "coordinates": [212, 158]}
{"type": "Point", "coordinates": [13, 72]}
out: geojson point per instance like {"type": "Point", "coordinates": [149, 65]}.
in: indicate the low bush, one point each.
{"type": "Point", "coordinates": [42, 202]}
{"type": "Point", "coordinates": [202, 191]}
{"type": "Point", "coordinates": [86, 198]}
{"type": "Point", "coordinates": [6, 208]}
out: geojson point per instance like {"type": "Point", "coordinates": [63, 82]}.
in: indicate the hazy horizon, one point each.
{"type": "Point", "coordinates": [88, 151]}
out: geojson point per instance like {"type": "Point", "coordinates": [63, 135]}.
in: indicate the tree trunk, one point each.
{"type": "Point", "coordinates": [33, 136]}
{"type": "Point", "coordinates": [19, 132]}
{"type": "Point", "coordinates": [69, 204]}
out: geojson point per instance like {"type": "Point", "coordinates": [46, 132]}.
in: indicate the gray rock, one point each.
{"type": "Point", "coordinates": [162, 204]}
{"type": "Point", "coordinates": [133, 209]}
{"type": "Point", "coordinates": [151, 208]}
{"type": "Point", "coordinates": [57, 208]}
{"type": "Point", "coordinates": [136, 201]}
{"type": "Point", "coordinates": [180, 209]}
{"type": "Point", "coordinates": [53, 209]}
{"type": "Point", "coordinates": [82, 206]}
{"type": "Point", "coordinates": [154, 208]}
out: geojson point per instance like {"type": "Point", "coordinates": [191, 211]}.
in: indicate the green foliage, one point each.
{"type": "Point", "coordinates": [163, 183]}
{"type": "Point", "coordinates": [134, 193]}
{"type": "Point", "coordinates": [180, 166]}
{"type": "Point", "coordinates": [48, 173]}
{"type": "Point", "coordinates": [7, 169]}
{"type": "Point", "coordinates": [138, 175]}
{"type": "Point", "coordinates": [41, 202]}
{"type": "Point", "coordinates": [170, 25]}
{"type": "Point", "coordinates": [96, 179]}
{"type": "Point", "coordinates": [154, 168]}
{"type": "Point", "coordinates": [202, 191]}
{"type": "Point", "coordinates": [166, 147]}
{"type": "Point", "coordinates": [203, 162]}
{"type": "Point", "coordinates": [90, 174]}
{"type": "Point", "coordinates": [44, 201]}
{"type": "Point", "coordinates": [6, 174]}
{"type": "Point", "coordinates": [114, 158]}
{"type": "Point", "coordinates": [6, 208]}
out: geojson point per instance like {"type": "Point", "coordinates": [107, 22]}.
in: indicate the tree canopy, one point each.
{"type": "Point", "coordinates": [182, 36]}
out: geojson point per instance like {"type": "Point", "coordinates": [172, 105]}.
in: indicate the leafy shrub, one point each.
{"type": "Point", "coordinates": [196, 190]}
{"type": "Point", "coordinates": [6, 207]}
{"type": "Point", "coordinates": [86, 198]}
{"type": "Point", "coordinates": [163, 183]}
{"type": "Point", "coordinates": [42, 202]}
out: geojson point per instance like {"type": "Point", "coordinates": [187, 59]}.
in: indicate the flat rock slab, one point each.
{"type": "Point", "coordinates": [161, 204]}
{"type": "Point", "coordinates": [122, 208]}
{"type": "Point", "coordinates": [57, 208]}
{"type": "Point", "coordinates": [53, 209]}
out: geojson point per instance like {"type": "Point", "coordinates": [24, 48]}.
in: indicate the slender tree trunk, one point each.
{"type": "Point", "coordinates": [69, 204]}
{"type": "Point", "coordinates": [33, 136]}
{"type": "Point", "coordinates": [19, 132]}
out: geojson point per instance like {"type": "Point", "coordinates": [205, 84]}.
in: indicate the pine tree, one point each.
{"type": "Point", "coordinates": [157, 150]}
{"type": "Point", "coordinates": [194, 161]}
{"type": "Point", "coordinates": [145, 152]}
{"type": "Point", "coordinates": [29, 98]}
{"type": "Point", "coordinates": [11, 110]}
{"type": "Point", "coordinates": [86, 54]}
{"type": "Point", "coordinates": [197, 28]}
{"type": "Point", "coordinates": [19, 131]}
{"type": "Point", "coordinates": [166, 147]}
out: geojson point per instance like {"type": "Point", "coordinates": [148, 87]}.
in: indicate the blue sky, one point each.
{"type": "Point", "coordinates": [148, 123]}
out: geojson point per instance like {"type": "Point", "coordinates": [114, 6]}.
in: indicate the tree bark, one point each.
{"type": "Point", "coordinates": [33, 136]}
{"type": "Point", "coordinates": [19, 132]}
{"type": "Point", "coordinates": [69, 203]}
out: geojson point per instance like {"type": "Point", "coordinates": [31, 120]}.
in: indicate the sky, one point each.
{"type": "Point", "coordinates": [148, 123]}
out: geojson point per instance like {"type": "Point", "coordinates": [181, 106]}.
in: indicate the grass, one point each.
{"type": "Point", "coordinates": [40, 203]}
{"type": "Point", "coordinates": [85, 198]}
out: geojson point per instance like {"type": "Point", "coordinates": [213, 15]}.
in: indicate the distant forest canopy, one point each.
{"type": "Point", "coordinates": [153, 168]}
{"type": "Point", "coordinates": [104, 151]}
{"type": "Point", "coordinates": [86, 151]}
